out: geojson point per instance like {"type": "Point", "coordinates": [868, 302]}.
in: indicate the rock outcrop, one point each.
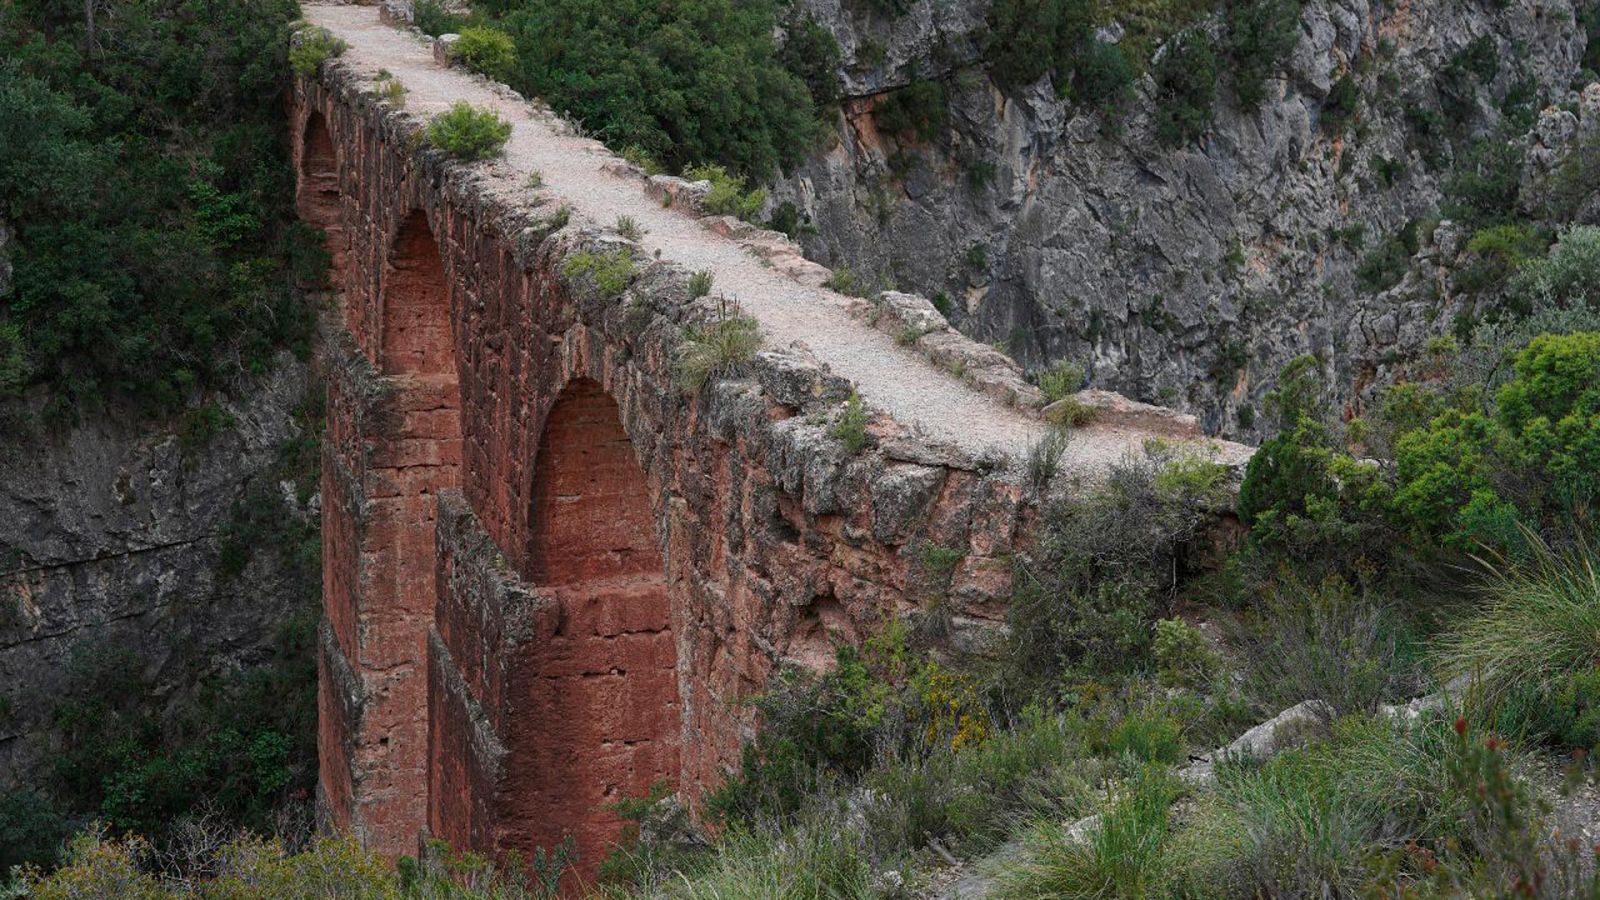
{"type": "Point", "coordinates": [1184, 276]}
{"type": "Point", "coordinates": [110, 533]}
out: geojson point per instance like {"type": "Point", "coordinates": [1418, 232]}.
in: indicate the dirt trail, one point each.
{"type": "Point", "coordinates": [891, 378]}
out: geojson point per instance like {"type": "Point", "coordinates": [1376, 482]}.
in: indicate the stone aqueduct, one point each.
{"type": "Point", "coordinates": [550, 576]}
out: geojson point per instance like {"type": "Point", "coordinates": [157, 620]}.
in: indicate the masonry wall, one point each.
{"type": "Point", "coordinates": [611, 565]}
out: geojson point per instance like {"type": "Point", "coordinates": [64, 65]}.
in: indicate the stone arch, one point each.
{"type": "Point", "coordinates": [417, 339]}
{"type": "Point", "coordinates": [598, 719]}
{"type": "Point", "coordinates": [318, 198]}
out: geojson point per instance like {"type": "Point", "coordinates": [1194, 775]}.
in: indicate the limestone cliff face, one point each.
{"type": "Point", "coordinates": [109, 538]}
{"type": "Point", "coordinates": [1185, 276]}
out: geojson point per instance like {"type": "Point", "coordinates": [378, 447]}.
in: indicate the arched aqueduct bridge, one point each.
{"type": "Point", "coordinates": [549, 572]}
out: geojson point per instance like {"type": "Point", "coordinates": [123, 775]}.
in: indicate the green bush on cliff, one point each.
{"type": "Point", "coordinates": [145, 175]}
{"type": "Point", "coordinates": [690, 82]}
{"type": "Point", "coordinates": [1472, 477]}
{"type": "Point", "coordinates": [314, 47]}
{"type": "Point", "coordinates": [469, 133]}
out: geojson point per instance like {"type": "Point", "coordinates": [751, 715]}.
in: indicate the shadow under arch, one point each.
{"type": "Point", "coordinates": [595, 709]}
{"type": "Point", "coordinates": [318, 198]}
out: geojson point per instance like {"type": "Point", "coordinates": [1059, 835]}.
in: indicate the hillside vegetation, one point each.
{"type": "Point", "coordinates": [1414, 580]}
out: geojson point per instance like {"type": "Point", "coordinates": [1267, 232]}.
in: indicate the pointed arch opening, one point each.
{"type": "Point", "coordinates": [417, 339]}
{"type": "Point", "coordinates": [317, 196]}
{"type": "Point", "coordinates": [598, 721]}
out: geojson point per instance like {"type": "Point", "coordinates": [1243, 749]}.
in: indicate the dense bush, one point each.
{"type": "Point", "coordinates": [467, 132]}
{"type": "Point", "coordinates": [1105, 567]}
{"type": "Point", "coordinates": [1567, 277]}
{"type": "Point", "coordinates": [692, 82]}
{"type": "Point", "coordinates": [811, 52]}
{"type": "Point", "coordinates": [729, 195]}
{"type": "Point", "coordinates": [921, 108]}
{"type": "Point", "coordinates": [1472, 478]}
{"type": "Point", "coordinates": [1186, 88]}
{"type": "Point", "coordinates": [1261, 34]}
{"type": "Point", "coordinates": [1483, 186]}
{"type": "Point", "coordinates": [486, 51]}
{"type": "Point", "coordinates": [1028, 39]}
{"type": "Point", "coordinates": [148, 185]}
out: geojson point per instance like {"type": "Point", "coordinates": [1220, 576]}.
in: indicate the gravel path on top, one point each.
{"type": "Point", "coordinates": [890, 378]}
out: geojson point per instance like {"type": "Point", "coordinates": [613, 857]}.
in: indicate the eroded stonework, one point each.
{"type": "Point", "coordinates": [550, 574]}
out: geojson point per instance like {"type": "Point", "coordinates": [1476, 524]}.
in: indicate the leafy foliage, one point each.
{"type": "Point", "coordinates": [314, 47]}
{"type": "Point", "coordinates": [1261, 35]}
{"type": "Point", "coordinates": [145, 173]}
{"type": "Point", "coordinates": [1472, 477]}
{"type": "Point", "coordinates": [692, 82]}
{"type": "Point", "coordinates": [467, 132]}
{"type": "Point", "coordinates": [1186, 88]}
{"type": "Point", "coordinates": [486, 51]}
{"type": "Point", "coordinates": [728, 195]}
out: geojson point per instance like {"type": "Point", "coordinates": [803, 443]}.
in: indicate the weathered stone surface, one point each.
{"type": "Point", "coordinates": [623, 563]}
{"type": "Point", "coordinates": [1185, 276]}
{"type": "Point", "coordinates": [109, 538]}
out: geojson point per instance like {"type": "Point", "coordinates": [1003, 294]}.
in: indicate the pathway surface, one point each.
{"type": "Point", "coordinates": [890, 378]}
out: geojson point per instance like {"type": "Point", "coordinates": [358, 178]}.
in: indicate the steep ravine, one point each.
{"type": "Point", "coordinates": [126, 535]}
{"type": "Point", "coordinates": [1185, 276]}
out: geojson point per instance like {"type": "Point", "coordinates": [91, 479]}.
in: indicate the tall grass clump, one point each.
{"type": "Point", "coordinates": [469, 133]}
{"type": "Point", "coordinates": [1327, 641]}
{"type": "Point", "coordinates": [1120, 855]}
{"type": "Point", "coordinates": [719, 349]}
{"type": "Point", "coordinates": [1539, 626]}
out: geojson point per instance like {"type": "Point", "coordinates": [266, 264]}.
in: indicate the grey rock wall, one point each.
{"type": "Point", "coordinates": [109, 539]}
{"type": "Point", "coordinates": [1184, 276]}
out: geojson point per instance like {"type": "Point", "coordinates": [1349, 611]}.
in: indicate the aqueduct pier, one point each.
{"type": "Point", "coordinates": [551, 573]}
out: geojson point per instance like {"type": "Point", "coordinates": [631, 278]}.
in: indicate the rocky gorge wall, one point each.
{"type": "Point", "coordinates": [112, 538]}
{"type": "Point", "coordinates": [551, 574]}
{"type": "Point", "coordinates": [1185, 276]}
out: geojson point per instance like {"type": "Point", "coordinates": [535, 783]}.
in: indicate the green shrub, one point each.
{"type": "Point", "coordinates": [1087, 599]}
{"type": "Point", "coordinates": [811, 53]}
{"type": "Point", "coordinates": [1324, 641]}
{"type": "Point", "coordinates": [692, 82]}
{"type": "Point", "coordinates": [1044, 459]}
{"type": "Point", "coordinates": [469, 133]}
{"type": "Point", "coordinates": [1146, 737]}
{"type": "Point", "coordinates": [434, 19]}
{"type": "Point", "coordinates": [1122, 855]}
{"type": "Point", "coordinates": [1387, 264]}
{"type": "Point", "coordinates": [151, 204]}
{"type": "Point", "coordinates": [920, 108]}
{"type": "Point", "coordinates": [720, 349]}
{"type": "Point", "coordinates": [612, 271]}
{"type": "Point", "coordinates": [1340, 107]}
{"type": "Point", "coordinates": [1261, 34]}
{"type": "Point", "coordinates": [485, 50]}
{"type": "Point", "coordinates": [1026, 39]}
{"type": "Point", "coordinates": [1537, 630]}
{"type": "Point", "coordinates": [1470, 477]}
{"type": "Point", "coordinates": [1496, 253]}
{"type": "Point", "coordinates": [314, 47]}
{"type": "Point", "coordinates": [1484, 185]}
{"type": "Point", "coordinates": [628, 227]}
{"type": "Point", "coordinates": [1183, 657]}
{"type": "Point", "coordinates": [699, 285]}
{"type": "Point", "coordinates": [851, 429]}
{"type": "Point", "coordinates": [1060, 380]}
{"type": "Point", "coordinates": [1186, 89]}
{"type": "Point", "coordinates": [1103, 79]}
{"type": "Point", "coordinates": [32, 830]}
{"type": "Point", "coordinates": [1567, 277]}
{"type": "Point", "coordinates": [728, 196]}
